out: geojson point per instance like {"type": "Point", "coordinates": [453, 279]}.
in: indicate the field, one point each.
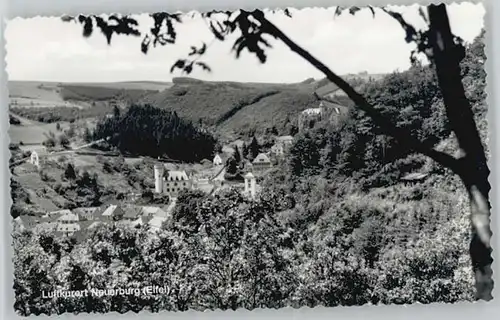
{"type": "Point", "coordinates": [80, 95]}
{"type": "Point", "coordinates": [232, 108]}
{"type": "Point", "coordinates": [32, 132]}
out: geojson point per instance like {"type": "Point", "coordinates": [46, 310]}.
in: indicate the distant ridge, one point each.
{"type": "Point", "coordinates": [228, 106]}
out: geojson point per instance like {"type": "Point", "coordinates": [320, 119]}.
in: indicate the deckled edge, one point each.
{"type": "Point", "coordinates": [490, 100]}
{"type": "Point", "coordinates": [7, 248]}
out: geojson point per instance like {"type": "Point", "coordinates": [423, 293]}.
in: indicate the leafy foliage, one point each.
{"type": "Point", "coordinates": [146, 130]}
{"type": "Point", "coordinates": [314, 237]}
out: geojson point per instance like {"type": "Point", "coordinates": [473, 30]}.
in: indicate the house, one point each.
{"type": "Point", "coordinates": [328, 90]}
{"type": "Point", "coordinates": [151, 212]}
{"type": "Point", "coordinates": [414, 178]}
{"type": "Point", "coordinates": [326, 95]}
{"type": "Point", "coordinates": [217, 160]}
{"type": "Point", "coordinates": [131, 213]}
{"type": "Point", "coordinates": [309, 116]}
{"type": "Point", "coordinates": [282, 145]}
{"type": "Point", "coordinates": [54, 215]}
{"type": "Point", "coordinates": [25, 222]}
{"type": "Point", "coordinates": [261, 163]}
{"type": "Point", "coordinates": [176, 181]}
{"type": "Point", "coordinates": [327, 110]}
{"type": "Point", "coordinates": [156, 223]}
{"type": "Point", "coordinates": [85, 224]}
{"type": "Point", "coordinates": [86, 214]}
{"type": "Point", "coordinates": [46, 224]}
{"type": "Point", "coordinates": [140, 221]}
{"type": "Point", "coordinates": [67, 223]}
{"type": "Point", "coordinates": [112, 213]}
{"type": "Point", "coordinates": [331, 108]}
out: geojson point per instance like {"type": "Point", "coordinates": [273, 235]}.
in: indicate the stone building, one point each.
{"type": "Point", "coordinates": [282, 145]}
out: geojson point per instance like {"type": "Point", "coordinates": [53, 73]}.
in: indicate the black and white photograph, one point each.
{"type": "Point", "coordinates": [246, 159]}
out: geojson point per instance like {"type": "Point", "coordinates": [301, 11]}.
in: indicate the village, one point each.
{"type": "Point", "coordinates": [170, 179]}
{"type": "Point", "coordinates": [167, 182]}
{"type": "Point", "coordinates": [264, 158]}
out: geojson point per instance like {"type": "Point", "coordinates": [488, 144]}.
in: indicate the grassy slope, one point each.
{"type": "Point", "coordinates": [237, 106]}
{"type": "Point", "coordinates": [51, 94]}
{"type": "Point", "coordinates": [231, 106]}
{"type": "Point", "coordinates": [33, 132]}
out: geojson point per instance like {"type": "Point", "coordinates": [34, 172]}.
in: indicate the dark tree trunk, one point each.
{"type": "Point", "coordinates": [473, 168]}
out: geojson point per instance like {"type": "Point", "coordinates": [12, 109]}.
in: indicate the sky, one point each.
{"type": "Point", "coordinates": [48, 49]}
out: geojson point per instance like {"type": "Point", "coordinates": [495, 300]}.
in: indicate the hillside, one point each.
{"type": "Point", "coordinates": [30, 132]}
{"type": "Point", "coordinates": [238, 107]}
{"type": "Point", "coordinates": [233, 107]}
{"type": "Point", "coordinates": [50, 102]}
{"type": "Point", "coordinates": [53, 94]}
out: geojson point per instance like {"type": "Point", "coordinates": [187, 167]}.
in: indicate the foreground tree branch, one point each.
{"type": "Point", "coordinates": [401, 134]}
{"type": "Point", "coordinates": [473, 169]}
{"type": "Point", "coordinates": [440, 46]}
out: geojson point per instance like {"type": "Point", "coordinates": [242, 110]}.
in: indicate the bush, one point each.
{"type": "Point", "coordinates": [49, 142]}
{"type": "Point", "coordinates": [64, 141]}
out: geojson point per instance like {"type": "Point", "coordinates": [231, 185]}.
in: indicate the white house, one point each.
{"type": "Point", "coordinates": [67, 223]}
{"type": "Point", "coordinates": [156, 223]}
{"type": "Point", "coordinates": [86, 214]}
{"type": "Point", "coordinates": [112, 213]}
{"type": "Point", "coordinates": [282, 145]}
{"type": "Point", "coordinates": [151, 212]}
{"type": "Point", "coordinates": [261, 163]}
{"type": "Point", "coordinates": [217, 160]}
{"type": "Point", "coordinates": [175, 182]}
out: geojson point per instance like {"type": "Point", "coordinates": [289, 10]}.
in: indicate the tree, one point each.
{"type": "Point", "coordinates": [70, 172]}
{"type": "Point", "coordinates": [116, 111]}
{"type": "Point", "coordinates": [168, 135]}
{"type": "Point", "coordinates": [244, 150]}
{"type": "Point", "coordinates": [237, 155]}
{"type": "Point", "coordinates": [87, 135]}
{"type": "Point", "coordinates": [64, 141]}
{"type": "Point", "coordinates": [231, 166]}
{"type": "Point", "coordinates": [442, 48]}
{"type": "Point", "coordinates": [50, 142]}
{"type": "Point", "coordinates": [71, 130]}
{"type": "Point", "coordinates": [253, 148]}
{"type": "Point", "coordinates": [184, 213]}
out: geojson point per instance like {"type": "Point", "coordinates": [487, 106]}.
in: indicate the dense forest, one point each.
{"type": "Point", "coordinates": [149, 131]}
{"type": "Point", "coordinates": [339, 223]}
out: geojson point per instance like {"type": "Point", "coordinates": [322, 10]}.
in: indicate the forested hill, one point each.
{"type": "Point", "coordinates": [238, 107]}
{"type": "Point", "coordinates": [232, 107]}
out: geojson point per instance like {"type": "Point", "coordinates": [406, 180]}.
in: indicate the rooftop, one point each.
{"type": "Point", "coordinates": [67, 215]}
{"type": "Point", "coordinates": [110, 210]}
{"type": "Point", "coordinates": [26, 219]}
{"type": "Point", "coordinates": [312, 111]}
{"type": "Point", "coordinates": [177, 176]}
{"type": "Point", "coordinates": [261, 158]}
{"type": "Point", "coordinates": [284, 138]}
{"type": "Point", "coordinates": [249, 175]}
{"type": "Point", "coordinates": [156, 222]}
{"type": "Point", "coordinates": [131, 212]}
{"type": "Point", "coordinates": [415, 176]}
